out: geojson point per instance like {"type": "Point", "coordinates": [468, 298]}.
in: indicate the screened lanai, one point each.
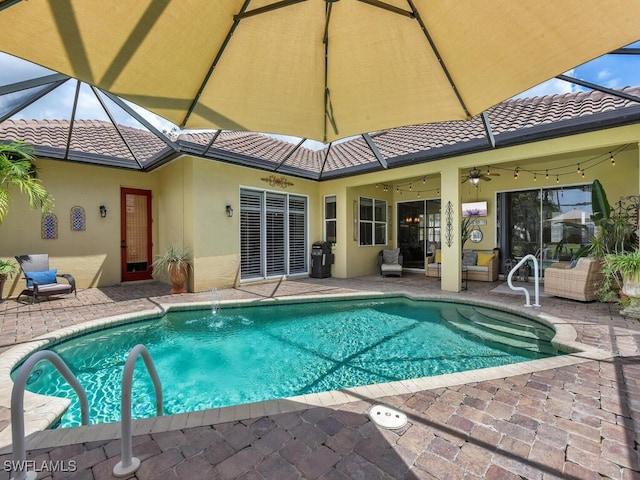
{"type": "Point", "coordinates": [70, 120]}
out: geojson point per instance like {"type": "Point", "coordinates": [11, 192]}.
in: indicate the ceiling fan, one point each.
{"type": "Point", "coordinates": [474, 176]}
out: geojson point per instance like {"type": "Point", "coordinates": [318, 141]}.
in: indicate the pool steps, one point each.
{"type": "Point", "coordinates": [524, 334]}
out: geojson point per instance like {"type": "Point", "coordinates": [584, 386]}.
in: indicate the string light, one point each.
{"type": "Point", "coordinates": [535, 177]}
{"type": "Point", "coordinates": [547, 176]}
{"type": "Point", "coordinates": [557, 179]}
{"type": "Point", "coordinates": [613, 161]}
{"type": "Point", "coordinates": [579, 171]}
{"type": "Point", "coordinates": [515, 173]}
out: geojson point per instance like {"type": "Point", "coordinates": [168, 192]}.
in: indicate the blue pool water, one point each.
{"type": "Point", "coordinates": [247, 354]}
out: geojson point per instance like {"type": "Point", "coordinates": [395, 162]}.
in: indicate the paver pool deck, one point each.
{"type": "Point", "coordinates": [577, 421]}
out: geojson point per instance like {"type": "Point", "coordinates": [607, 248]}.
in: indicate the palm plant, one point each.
{"type": "Point", "coordinates": [17, 168]}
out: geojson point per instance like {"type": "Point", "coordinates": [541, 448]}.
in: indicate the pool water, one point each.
{"type": "Point", "coordinates": [247, 354]}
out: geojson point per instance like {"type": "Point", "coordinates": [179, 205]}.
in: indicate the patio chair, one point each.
{"type": "Point", "coordinates": [580, 282]}
{"type": "Point", "coordinates": [390, 262]}
{"type": "Point", "coordinates": [41, 280]}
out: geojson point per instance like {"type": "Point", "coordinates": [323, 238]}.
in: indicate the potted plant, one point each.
{"type": "Point", "coordinates": [175, 263]}
{"type": "Point", "coordinates": [8, 269]}
{"type": "Point", "coordinates": [625, 269]}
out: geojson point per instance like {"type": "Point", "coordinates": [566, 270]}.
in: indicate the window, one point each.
{"type": "Point", "coordinates": [273, 234]}
{"type": "Point", "coordinates": [330, 218]}
{"type": "Point", "coordinates": [373, 221]}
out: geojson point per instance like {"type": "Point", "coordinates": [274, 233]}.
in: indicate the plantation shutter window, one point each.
{"type": "Point", "coordinates": [250, 234]}
{"type": "Point", "coordinates": [273, 234]}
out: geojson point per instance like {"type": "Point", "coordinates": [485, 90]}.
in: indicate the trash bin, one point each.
{"type": "Point", "coordinates": [321, 260]}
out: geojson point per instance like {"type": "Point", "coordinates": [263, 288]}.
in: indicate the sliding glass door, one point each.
{"type": "Point", "coordinates": [418, 230]}
{"type": "Point", "coordinates": [550, 223]}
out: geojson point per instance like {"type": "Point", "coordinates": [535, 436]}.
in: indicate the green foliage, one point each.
{"type": "Point", "coordinates": [467, 227]}
{"type": "Point", "coordinates": [599, 203]}
{"type": "Point", "coordinates": [8, 267]}
{"type": "Point", "coordinates": [616, 227]}
{"type": "Point", "coordinates": [18, 169]}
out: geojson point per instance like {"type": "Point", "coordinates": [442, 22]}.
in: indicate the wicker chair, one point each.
{"type": "Point", "coordinates": [578, 283]}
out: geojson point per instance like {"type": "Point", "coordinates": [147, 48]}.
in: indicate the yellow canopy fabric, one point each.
{"type": "Point", "coordinates": [194, 63]}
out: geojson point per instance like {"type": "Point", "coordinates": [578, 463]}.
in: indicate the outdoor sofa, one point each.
{"type": "Point", "coordinates": [481, 265]}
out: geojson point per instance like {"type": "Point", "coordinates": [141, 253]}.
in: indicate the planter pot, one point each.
{"type": "Point", "coordinates": [178, 277]}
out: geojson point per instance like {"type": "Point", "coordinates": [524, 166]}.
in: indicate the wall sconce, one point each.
{"type": "Point", "coordinates": [103, 211]}
{"type": "Point", "coordinates": [229, 211]}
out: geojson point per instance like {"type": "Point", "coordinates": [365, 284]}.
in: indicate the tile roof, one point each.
{"type": "Point", "coordinates": [513, 121]}
{"type": "Point", "coordinates": [94, 139]}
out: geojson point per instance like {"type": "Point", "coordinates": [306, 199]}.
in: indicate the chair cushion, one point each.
{"type": "Point", "coordinates": [438, 257]}
{"type": "Point", "coordinates": [476, 268]}
{"type": "Point", "coordinates": [469, 257]}
{"type": "Point", "coordinates": [43, 278]}
{"type": "Point", "coordinates": [387, 267]}
{"type": "Point", "coordinates": [484, 259]}
{"type": "Point", "coordinates": [390, 256]}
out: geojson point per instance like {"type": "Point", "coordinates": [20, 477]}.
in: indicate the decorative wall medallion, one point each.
{"type": "Point", "coordinates": [49, 227]}
{"type": "Point", "coordinates": [449, 224]}
{"type": "Point", "coordinates": [78, 219]}
{"type": "Point", "coordinates": [274, 181]}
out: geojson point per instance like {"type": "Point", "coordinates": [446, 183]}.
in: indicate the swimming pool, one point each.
{"type": "Point", "coordinates": [251, 353]}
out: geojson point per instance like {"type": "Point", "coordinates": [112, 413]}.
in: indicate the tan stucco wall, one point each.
{"type": "Point", "coordinates": [190, 195]}
{"type": "Point", "coordinates": [93, 255]}
{"type": "Point", "coordinates": [192, 203]}
{"type": "Point", "coordinates": [621, 180]}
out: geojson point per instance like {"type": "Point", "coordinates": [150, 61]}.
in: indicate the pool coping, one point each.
{"type": "Point", "coordinates": [42, 411]}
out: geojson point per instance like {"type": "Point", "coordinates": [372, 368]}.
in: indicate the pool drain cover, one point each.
{"type": "Point", "coordinates": [387, 417]}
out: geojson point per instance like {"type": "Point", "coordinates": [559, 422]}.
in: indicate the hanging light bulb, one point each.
{"type": "Point", "coordinates": [613, 161]}
{"type": "Point", "coordinates": [579, 171]}
{"type": "Point", "coordinates": [410, 187]}
{"type": "Point", "coordinates": [582, 173]}
{"type": "Point", "coordinates": [515, 174]}
{"type": "Point", "coordinates": [424, 179]}
{"type": "Point", "coordinates": [535, 177]}
{"type": "Point", "coordinates": [557, 179]}
{"type": "Point", "coordinates": [438, 192]}
{"type": "Point", "coordinates": [547, 175]}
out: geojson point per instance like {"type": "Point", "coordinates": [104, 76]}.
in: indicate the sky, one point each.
{"type": "Point", "coordinates": [611, 71]}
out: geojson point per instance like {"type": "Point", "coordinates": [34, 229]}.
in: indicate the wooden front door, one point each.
{"type": "Point", "coordinates": [135, 234]}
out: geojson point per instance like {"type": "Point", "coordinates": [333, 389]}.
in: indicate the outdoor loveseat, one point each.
{"type": "Point", "coordinates": [481, 265]}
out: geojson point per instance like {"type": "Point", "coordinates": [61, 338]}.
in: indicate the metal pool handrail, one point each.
{"type": "Point", "coordinates": [17, 406]}
{"type": "Point", "coordinates": [128, 463]}
{"type": "Point", "coordinates": [536, 280]}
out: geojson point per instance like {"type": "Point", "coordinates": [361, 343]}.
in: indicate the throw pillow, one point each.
{"type": "Point", "coordinates": [44, 277]}
{"type": "Point", "coordinates": [438, 258]}
{"type": "Point", "coordinates": [573, 263]}
{"type": "Point", "coordinates": [469, 258]}
{"type": "Point", "coordinates": [484, 259]}
{"type": "Point", "coordinates": [390, 256]}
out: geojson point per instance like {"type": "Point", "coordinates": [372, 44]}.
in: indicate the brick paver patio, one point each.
{"type": "Point", "coordinates": [575, 422]}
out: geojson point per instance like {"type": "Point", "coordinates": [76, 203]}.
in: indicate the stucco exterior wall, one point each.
{"type": "Point", "coordinates": [92, 255]}
{"type": "Point", "coordinates": [190, 196]}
